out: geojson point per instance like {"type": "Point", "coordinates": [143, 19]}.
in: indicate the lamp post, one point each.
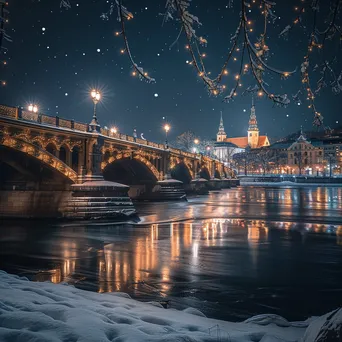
{"type": "Point", "coordinates": [196, 142]}
{"type": "Point", "coordinates": [167, 127]}
{"type": "Point", "coordinates": [113, 130]}
{"type": "Point", "coordinates": [32, 108]}
{"type": "Point", "coordinates": [96, 97]}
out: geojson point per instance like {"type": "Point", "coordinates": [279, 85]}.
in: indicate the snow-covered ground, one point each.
{"type": "Point", "coordinates": [38, 312]}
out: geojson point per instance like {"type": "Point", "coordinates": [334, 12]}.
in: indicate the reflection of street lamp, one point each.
{"type": "Point", "coordinates": [167, 127]}
{"type": "Point", "coordinates": [96, 97]}
{"type": "Point", "coordinates": [33, 108]}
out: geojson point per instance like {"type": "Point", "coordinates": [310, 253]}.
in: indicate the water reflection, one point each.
{"type": "Point", "coordinates": [319, 204]}
{"type": "Point", "coordinates": [211, 263]}
{"type": "Point", "coordinates": [145, 253]}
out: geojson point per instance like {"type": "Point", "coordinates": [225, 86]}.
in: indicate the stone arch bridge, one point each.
{"type": "Point", "coordinates": [43, 152]}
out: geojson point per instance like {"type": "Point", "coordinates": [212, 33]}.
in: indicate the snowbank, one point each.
{"type": "Point", "coordinates": [40, 312]}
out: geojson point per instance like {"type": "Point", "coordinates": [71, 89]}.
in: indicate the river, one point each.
{"type": "Point", "coordinates": [231, 254]}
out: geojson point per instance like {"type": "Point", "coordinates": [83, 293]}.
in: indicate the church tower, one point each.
{"type": "Point", "coordinates": [221, 134]}
{"type": "Point", "coordinates": [253, 130]}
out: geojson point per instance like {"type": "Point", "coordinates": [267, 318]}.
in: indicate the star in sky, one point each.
{"type": "Point", "coordinates": [58, 55]}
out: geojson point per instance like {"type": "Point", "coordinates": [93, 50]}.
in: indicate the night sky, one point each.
{"type": "Point", "coordinates": [58, 55]}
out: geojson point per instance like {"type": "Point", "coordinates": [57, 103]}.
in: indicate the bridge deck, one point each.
{"type": "Point", "coordinates": [40, 120]}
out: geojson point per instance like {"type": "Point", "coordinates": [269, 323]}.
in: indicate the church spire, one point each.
{"type": "Point", "coordinates": [253, 130]}
{"type": "Point", "coordinates": [221, 134]}
{"type": "Point", "coordinates": [221, 123]}
{"type": "Point", "coordinates": [301, 136]}
{"type": "Point", "coordinates": [253, 124]}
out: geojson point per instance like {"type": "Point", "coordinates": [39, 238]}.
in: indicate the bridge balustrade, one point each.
{"type": "Point", "coordinates": [8, 111]}
{"type": "Point", "coordinates": [55, 121]}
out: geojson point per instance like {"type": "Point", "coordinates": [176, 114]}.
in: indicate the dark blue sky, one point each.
{"type": "Point", "coordinates": [54, 60]}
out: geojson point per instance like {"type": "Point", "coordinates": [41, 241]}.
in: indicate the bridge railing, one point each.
{"type": "Point", "coordinates": [56, 121]}
{"type": "Point", "coordinates": [125, 137]}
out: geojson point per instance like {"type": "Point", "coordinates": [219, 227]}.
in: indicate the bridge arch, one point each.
{"type": "Point", "coordinates": [182, 172]}
{"type": "Point", "coordinates": [43, 156]}
{"type": "Point", "coordinates": [204, 173]}
{"type": "Point", "coordinates": [51, 148]}
{"type": "Point", "coordinates": [217, 174]}
{"type": "Point", "coordinates": [130, 169]}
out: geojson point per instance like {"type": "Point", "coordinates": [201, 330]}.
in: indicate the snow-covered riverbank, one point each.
{"type": "Point", "coordinates": [38, 312]}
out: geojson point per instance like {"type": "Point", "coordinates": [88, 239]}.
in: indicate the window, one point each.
{"type": "Point", "coordinates": [250, 134]}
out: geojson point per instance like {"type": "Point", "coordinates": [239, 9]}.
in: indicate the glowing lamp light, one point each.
{"type": "Point", "coordinates": [95, 95]}
{"type": "Point", "coordinates": [114, 130]}
{"type": "Point", "coordinates": [196, 141]}
{"type": "Point", "coordinates": [33, 108]}
{"type": "Point", "coordinates": [167, 127]}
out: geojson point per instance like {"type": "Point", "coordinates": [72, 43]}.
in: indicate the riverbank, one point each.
{"type": "Point", "coordinates": [289, 184]}
{"type": "Point", "coordinates": [60, 312]}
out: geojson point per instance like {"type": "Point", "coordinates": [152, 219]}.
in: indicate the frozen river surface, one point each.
{"type": "Point", "coordinates": [232, 254]}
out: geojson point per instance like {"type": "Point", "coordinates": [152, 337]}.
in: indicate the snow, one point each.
{"type": "Point", "coordinates": [38, 312]}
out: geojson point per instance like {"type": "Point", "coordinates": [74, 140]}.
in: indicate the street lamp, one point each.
{"type": "Point", "coordinates": [167, 127]}
{"type": "Point", "coordinates": [196, 141]}
{"type": "Point", "coordinates": [113, 130]}
{"type": "Point", "coordinates": [33, 108]}
{"type": "Point", "coordinates": [96, 97]}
